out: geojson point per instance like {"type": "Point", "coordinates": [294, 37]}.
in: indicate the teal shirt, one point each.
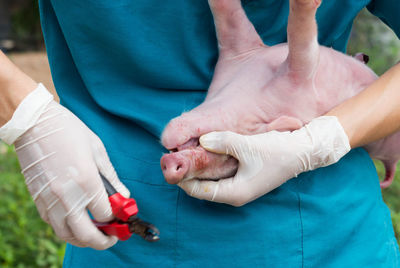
{"type": "Point", "coordinates": [126, 68]}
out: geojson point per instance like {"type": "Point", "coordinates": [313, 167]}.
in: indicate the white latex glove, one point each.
{"type": "Point", "coordinates": [61, 160]}
{"type": "Point", "coordinates": [268, 160]}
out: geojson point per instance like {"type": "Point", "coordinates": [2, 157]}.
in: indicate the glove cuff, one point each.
{"type": "Point", "coordinates": [26, 114]}
{"type": "Point", "coordinates": [330, 141]}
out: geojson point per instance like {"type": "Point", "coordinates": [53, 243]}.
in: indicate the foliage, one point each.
{"type": "Point", "coordinates": [25, 240]}
{"type": "Point", "coordinates": [25, 25]}
{"type": "Point", "coordinates": [391, 196]}
{"type": "Point", "coordinates": [373, 38]}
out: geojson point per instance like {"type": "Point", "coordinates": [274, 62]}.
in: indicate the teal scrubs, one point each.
{"type": "Point", "coordinates": [127, 67]}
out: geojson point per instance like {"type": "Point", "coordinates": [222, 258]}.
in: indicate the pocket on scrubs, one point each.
{"type": "Point", "coordinates": [263, 233]}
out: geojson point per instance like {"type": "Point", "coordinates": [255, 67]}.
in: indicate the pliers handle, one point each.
{"type": "Point", "coordinates": [126, 222]}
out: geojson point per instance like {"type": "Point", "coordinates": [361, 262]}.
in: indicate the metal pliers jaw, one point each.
{"type": "Point", "coordinates": [144, 229]}
{"type": "Point", "coordinates": [126, 223]}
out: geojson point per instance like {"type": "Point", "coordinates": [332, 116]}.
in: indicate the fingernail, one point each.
{"type": "Point", "coordinates": [208, 140]}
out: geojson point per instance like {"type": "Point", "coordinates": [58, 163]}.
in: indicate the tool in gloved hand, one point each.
{"type": "Point", "coordinates": [126, 223]}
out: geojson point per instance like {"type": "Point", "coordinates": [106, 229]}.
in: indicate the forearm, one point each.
{"type": "Point", "coordinates": [374, 113]}
{"type": "Point", "coordinates": [14, 87]}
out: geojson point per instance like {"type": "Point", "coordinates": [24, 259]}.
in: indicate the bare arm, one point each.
{"type": "Point", "coordinates": [374, 113]}
{"type": "Point", "coordinates": [14, 87]}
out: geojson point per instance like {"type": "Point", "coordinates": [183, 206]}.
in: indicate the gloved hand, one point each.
{"type": "Point", "coordinates": [61, 160]}
{"type": "Point", "coordinates": [268, 160]}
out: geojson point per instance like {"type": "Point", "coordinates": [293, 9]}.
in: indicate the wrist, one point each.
{"type": "Point", "coordinates": [13, 92]}
{"type": "Point", "coordinates": [26, 114]}
{"type": "Point", "coordinates": [329, 142]}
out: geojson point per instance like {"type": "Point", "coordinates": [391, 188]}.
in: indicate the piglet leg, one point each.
{"type": "Point", "coordinates": [390, 169]}
{"type": "Point", "coordinates": [237, 42]}
{"type": "Point", "coordinates": [235, 33]}
{"type": "Point", "coordinates": [304, 50]}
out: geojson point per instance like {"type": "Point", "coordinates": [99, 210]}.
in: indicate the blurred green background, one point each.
{"type": "Point", "coordinates": [26, 241]}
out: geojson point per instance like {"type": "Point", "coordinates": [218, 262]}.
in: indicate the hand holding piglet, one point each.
{"type": "Point", "coordinates": [267, 160]}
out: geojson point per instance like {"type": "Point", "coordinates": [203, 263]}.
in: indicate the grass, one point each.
{"type": "Point", "coordinates": [25, 240]}
{"type": "Point", "coordinates": [391, 196]}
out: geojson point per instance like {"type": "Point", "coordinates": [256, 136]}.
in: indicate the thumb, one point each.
{"type": "Point", "coordinates": [225, 142]}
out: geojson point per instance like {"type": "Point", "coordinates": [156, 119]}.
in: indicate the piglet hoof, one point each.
{"type": "Point", "coordinates": [362, 57]}
{"type": "Point", "coordinates": [308, 4]}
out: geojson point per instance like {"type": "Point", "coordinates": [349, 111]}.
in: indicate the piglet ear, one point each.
{"type": "Point", "coordinates": [285, 123]}
{"type": "Point", "coordinates": [302, 38]}
{"type": "Point", "coordinates": [235, 33]}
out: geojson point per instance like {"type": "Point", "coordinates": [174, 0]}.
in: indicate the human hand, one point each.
{"type": "Point", "coordinates": [268, 160]}
{"type": "Point", "coordinates": [61, 160]}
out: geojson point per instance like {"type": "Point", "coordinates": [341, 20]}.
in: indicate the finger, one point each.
{"type": "Point", "coordinates": [63, 232]}
{"type": "Point", "coordinates": [235, 33]}
{"type": "Point", "coordinates": [46, 200]}
{"type": "Point", "coordinates": [87, 234]}
{"type": "Point", "coordinates": [99, 206]}
{"type": "Point", "coordinates": [228, 191]}
{"type": "Point", "coordinates": [223, 143]}
{"type": "Point", "coordinates": [74, 242]}
{"type": "Point", "coordinates": [302, 38]}
{"type": "Point", "coordinates": [85, 190]}
{"type": "Point", "coordinates": [106, 168]}
{"type": "Point", "coordinates": [42, 209]}
{"type": "Point", "coordinates": [56, 217]}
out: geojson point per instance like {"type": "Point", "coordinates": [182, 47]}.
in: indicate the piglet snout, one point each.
{"type": "Point", "coordinates": [174, 167]}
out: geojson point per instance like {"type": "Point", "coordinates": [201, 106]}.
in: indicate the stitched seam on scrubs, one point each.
{"type": "Point", "coordinates": [302, 231]}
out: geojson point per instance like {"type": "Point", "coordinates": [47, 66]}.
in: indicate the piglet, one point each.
{"type": "Point", "coordinates": [257, 88]}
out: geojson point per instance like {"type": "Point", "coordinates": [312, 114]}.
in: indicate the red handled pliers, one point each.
{"type": "Point", "coordinates": [126, 222]}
